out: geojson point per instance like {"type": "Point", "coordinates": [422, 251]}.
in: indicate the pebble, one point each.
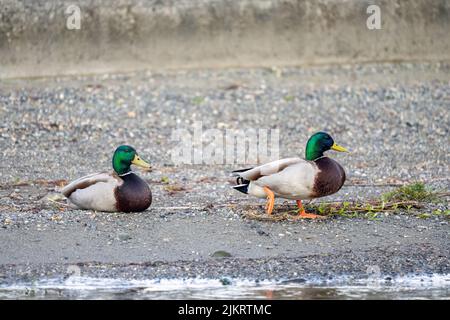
{"type": "Point", "coordinates": [124, 237]}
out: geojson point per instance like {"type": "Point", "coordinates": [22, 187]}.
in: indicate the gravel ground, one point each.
{"type": "Point", "coordinates": [393, 117]}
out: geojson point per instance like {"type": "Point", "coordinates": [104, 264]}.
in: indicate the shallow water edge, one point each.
{"type": "Point", "coordinates": [435, 286]}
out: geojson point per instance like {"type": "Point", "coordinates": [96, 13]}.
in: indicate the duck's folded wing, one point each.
{"type": "Point", "coordinates": [89, 180]}
{"type": "Point", "coordinates": [267, 169]}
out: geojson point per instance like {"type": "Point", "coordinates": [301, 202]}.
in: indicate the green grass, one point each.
{"type": "Point", "coordinates": [369, 210]}
{"type": "Point", "coordinates": [198, 100]}
{"type": "Point", "coordinates": [165, 180]}
{"type": "Point", "coordinates": [437, 212]}
{"type": "Point", "coordinates": [411, 192]}
{"type": "Point", "coordinates": [405, 198]}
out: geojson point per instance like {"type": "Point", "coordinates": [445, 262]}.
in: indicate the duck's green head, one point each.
{"type": "Point", "coordinates": [320, 142]}
{"type": "Point", "coordinates": [124, 157]}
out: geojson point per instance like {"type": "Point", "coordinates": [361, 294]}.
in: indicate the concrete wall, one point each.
{"type": "Point", "coordinates": [124, 35]}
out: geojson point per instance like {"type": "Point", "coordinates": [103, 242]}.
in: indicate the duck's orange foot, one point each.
{"type": "Point", "coordinates": [270, 200]}
{"type": "Point", "coordinates": [310, 216]}
{"type": "Point", "coordinates": [303, 215]}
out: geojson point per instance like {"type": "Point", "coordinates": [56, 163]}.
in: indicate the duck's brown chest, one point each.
{"type": "Point", "coordinates": [330, 178]}
{"type": "Point", "coordinates": [133, 195]}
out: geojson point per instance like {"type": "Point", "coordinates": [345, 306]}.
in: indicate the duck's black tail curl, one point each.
{"type": "Point", "coordinates": [242, 185]}
{"type": "Point", "coordinates": [240, 180]}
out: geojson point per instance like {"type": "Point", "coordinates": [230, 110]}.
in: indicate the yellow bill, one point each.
{"type": "Point", "coordinates": [137, 161]}
{"type": "Point", "coordinates": [337, 147]}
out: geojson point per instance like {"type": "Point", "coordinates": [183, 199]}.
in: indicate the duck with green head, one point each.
{"type": "Point", "coordinates": [295, 178]}
{"type": "Point", "coordinates": [120, 190]}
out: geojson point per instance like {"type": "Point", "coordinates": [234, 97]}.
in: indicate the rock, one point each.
{"type": "Point", "coordinates": [221, 254]}
{"type": "Point", "coordinates": [124, 237]}
{"type": "Point", "coordinates": [226, 281]}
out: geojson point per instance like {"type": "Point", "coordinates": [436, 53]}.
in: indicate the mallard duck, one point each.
{"type": "Point", "coordinates": [120, 190]}
{"type": "Point", "coordinates": [295, 178]}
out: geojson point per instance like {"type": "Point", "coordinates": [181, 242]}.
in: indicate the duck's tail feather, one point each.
{"type": "Point", "coordinates": [241, 183]}
{"type": "Point", "coordinates": [240, 180]}
{"type": "Point", "coordinates": [242, 188]}
{"type": "Point", "coordinates": [236, 172]}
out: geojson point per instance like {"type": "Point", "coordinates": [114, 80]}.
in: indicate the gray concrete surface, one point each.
{"type": "Point", "coordinates": [125, 35]}
{"type": "Point", "coordinates": [393, 117]}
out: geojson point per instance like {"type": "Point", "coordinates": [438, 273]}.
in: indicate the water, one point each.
{"type": "Point", "coordinates": [76, 287]}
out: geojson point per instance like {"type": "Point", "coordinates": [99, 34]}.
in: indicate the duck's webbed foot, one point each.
{"type": "Point", "coordinates": [270, 200]}
{"type": "Point", "coordinates": [303, 215]}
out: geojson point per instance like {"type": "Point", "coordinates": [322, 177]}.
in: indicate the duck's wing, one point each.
{"type": "Point", "coordinates": [252, 174]}
{"type": "Point", "coordinates": [94, 192]}
{"type": "Point", "coordinates": [90, 180]}
{"type": "Point", "coordinates": [295, 181]}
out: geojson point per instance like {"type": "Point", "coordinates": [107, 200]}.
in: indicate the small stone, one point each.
{"type": "Point", "coordinates": [124, 236]}
{"type": "Point", "coordinates": [221, 254]}
{"type": "Point", "coordinates": [225, 281]}
{"type": "Point", "coordinates": [262, 233]}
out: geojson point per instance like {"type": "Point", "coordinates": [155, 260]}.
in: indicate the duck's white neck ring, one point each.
{"type": "Point", "coordinates": [121, 175]}
{"type": "Point", "coordinates": [319, 158]}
